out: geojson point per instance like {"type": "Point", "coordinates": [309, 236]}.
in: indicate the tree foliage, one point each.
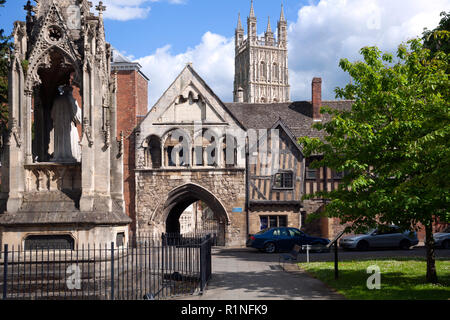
{"type": "Point", "coordinates": [437, 39]}
{"type": "Point", "coordinates": [394, 144]}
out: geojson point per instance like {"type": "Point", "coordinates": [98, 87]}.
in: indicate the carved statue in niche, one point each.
{"type": "Point", "coordinates": [66, 114]}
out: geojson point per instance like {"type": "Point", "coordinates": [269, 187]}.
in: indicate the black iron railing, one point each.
{"type": "Point", "coordinates": [150, 269]}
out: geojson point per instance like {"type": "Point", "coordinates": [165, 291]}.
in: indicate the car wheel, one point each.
{"type": "Point", "coordinates": [446, 244]}
{"type": "Point", "coordinates": [405, 244]}
{"type": "Point", "coordinates": [269, 247]}
{"type": "Point", "coordinates": [362, 245]}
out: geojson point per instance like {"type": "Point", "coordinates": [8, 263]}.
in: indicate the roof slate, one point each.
{"type": "Point", "coordinates": [296, 115]}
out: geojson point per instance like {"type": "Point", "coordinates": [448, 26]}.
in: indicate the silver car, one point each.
{"type": "Point", "coordinates": [390, 237]}
{"type": "Point", "coordinates": [442, 239]}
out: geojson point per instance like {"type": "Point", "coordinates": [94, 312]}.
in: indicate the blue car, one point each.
{"type": "Point", "coordinates": [282, 239]}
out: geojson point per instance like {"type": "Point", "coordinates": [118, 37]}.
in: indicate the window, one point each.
{"type": "Point", "coordinates": [295, 233]}
{"type": "Point", "coordinates": [275, 71]}
{"type": "Point", "coordinates": [198, 155]}
{"type": "Point", "coordinates": [284, 180]}
{"type": "Point", "coordinates": [49, 242]}
{"type": "Point", "coordinates": [153, 152]}
{"type": "Point", "coordinates": [280, 232]}
{"type": "Point", "coordinates": [272, 221]}
{"type": "Point", "coordinates": [120, 239]}
{"type": "Point", "coordinates": [263, 71]}
{"type": "Point", "coordinates": [338, 175]}
{"type": "Point", "coordinates": [311, 173]}
{"type": "Point", "coordinates": [170, 159]}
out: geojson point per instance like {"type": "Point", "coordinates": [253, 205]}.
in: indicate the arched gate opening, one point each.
{"type": "Point", "coordinates": [213, 217]}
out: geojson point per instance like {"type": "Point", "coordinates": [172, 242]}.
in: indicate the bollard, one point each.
{"type": "Point", "coordinates": [307, 253]}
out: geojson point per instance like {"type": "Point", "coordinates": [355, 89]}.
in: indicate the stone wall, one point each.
{"type": "Point", "coordinates": [226, 185]}
{"type": "Point", "coordinates": [292, 214]}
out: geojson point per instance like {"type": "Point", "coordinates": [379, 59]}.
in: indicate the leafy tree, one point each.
{"type": "Point", "coordinates": [394, 144]}
{"type": "Point", "coordinates": [5, 47]}
{"type": "Point", "coordinates": [435, 39]}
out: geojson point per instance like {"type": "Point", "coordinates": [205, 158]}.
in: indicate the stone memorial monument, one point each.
{"type": "Point", "coordinates": [62, 168]}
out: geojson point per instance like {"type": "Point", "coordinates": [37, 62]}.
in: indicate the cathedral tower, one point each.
{"type": "Point", "coordinates": [261, 63]}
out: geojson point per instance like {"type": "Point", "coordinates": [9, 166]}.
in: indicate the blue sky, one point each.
{"type": "Point", "coordinates": [163, 35]}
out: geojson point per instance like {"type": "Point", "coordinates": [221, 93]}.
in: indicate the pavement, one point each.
{"type": "Point", "coordinates": [247, 274]}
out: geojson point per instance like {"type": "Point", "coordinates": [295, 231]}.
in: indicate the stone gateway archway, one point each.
{"type": "Point", "coordinates": [164, 195]}
{"type": "Point", "coordinates": [182, 158]}
{"type": "Point", "coordinates": [181, 198]}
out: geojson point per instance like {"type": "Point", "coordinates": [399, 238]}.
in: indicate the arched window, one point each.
{"type": "Point", "coordinates": [263, 71]}
{"type": "Point", "coordinates": [275, 71]}
{"type": "Point", "coordinates": [153, 152]}
{"type": "Point", "coordinates": [205, 149]}
{"type": "Point", "coordinates": [229, 151]}
{"type": "Point", "coordinates": [176, 145]}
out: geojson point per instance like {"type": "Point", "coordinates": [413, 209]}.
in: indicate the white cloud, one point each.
{"type": "Point", "coordinates": [335, 29]}
{"type": "Point", "coordinates": [213, 59]}
{"type": "Point", "coordinates": [124, 10]}
{"type": "Point", "coordinates": [322, 35]}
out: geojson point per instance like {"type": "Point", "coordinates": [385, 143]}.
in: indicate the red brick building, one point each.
{"type": "Point", "coordinates": [132, 102]}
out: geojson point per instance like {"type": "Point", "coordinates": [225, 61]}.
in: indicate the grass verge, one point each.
{"type": "Point", "coordinates": [401, 279]}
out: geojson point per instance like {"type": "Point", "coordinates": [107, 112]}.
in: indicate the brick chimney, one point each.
{"type": "Point", "coordinates": [317, 98]}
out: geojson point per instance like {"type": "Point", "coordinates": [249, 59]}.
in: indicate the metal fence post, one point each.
{"type": "Point", "coordinates": [336, 266]}
{"type": "Point", "coordinates": [5, 273]}
{"type": "Point", "coordinates": [112, 270]}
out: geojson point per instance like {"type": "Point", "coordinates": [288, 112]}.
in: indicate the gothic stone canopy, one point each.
{"type": "Point", "coordinates": [61, 59]}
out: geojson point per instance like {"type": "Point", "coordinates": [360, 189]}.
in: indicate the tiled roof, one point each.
{"type": "Point", "coordinates": [296, 115]}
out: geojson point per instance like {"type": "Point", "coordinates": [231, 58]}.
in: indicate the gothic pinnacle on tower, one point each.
{"type": "Point", "coordinates": [252, 11]}
{"type": "Point", "coordinates": [269, 28]}
{"type": "Point", "coordinates": [239, 33]}
{"type": "Point", "coordinates": [282, 14]}
{"type": "Point", "coordinates": [269, 37]}
{"type": "Point", "coordinates": [282, 29]}
{"type": "Point", "coordinates": [251, 25]}
{"type": "Point", "coordinates": [239, 25]}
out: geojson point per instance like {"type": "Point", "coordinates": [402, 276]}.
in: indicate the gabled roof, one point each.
{"type": "Point", "coordinates": [297, 116]}
{"type": "Point", "coordinates": [184, 79]}
{"type": "Point", "coordinates": [279, 123]}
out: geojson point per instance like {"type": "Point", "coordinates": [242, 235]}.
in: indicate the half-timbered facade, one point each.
{"type": "Point", "coordinates": [275, 195]}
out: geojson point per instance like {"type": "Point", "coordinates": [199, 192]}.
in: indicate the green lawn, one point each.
{"type": "Point", "coordinates": [401, 279]}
